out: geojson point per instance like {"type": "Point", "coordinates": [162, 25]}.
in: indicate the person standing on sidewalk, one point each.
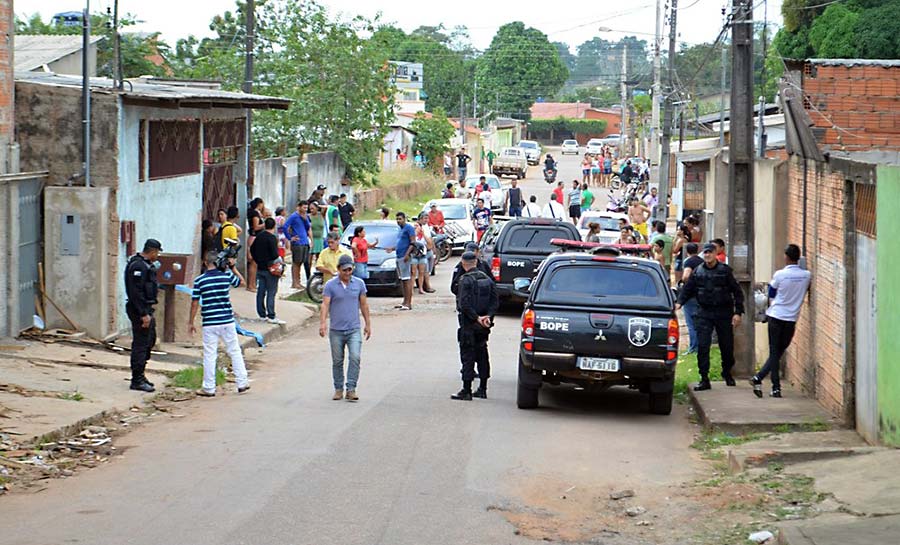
{"type": "Point", "coordinates": [462, 163]}
{"type": "Point", "coordinates": [721, 304]}
{"type": "Point", "coordinates": [298, 230]}
{"type": "Point", "coordinates": [786, 290]}
{"type": "Point", "coordinates": [211, 296]}
{"type": "Point", "coordinates": [265, 254]}
{"type": "Point", "coordinates": [574, 196]}
{"type": "Point", "coordinates": [141, 289]}
{"type": "Point", "coordinates": [690, 306]}
{"type": "Point", "coordinates": [476, 304]}
{"type": "Point", "coordinates": [343, 300]}
{"type": "Point", "coordinates": [514, 200]}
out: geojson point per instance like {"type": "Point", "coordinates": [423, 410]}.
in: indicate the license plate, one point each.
{"type": "Point", "coordinates": [608, 365]}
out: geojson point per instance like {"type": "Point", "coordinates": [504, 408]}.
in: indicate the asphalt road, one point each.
{"type": "Point", "coordinates": [405, 465]}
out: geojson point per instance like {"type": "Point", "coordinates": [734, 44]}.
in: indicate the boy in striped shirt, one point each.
{"type": "Point", "coordinates": [211, 296]}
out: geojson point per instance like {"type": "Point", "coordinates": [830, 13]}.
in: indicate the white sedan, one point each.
{"type": "Point", "coordinates": [569, 146]}
{"type": "Point", "coordinates": [459, 213]}
{"type": "Point", "coordinates": [498, 192]}
{"type": "Point", "coordinates": [609, 225]}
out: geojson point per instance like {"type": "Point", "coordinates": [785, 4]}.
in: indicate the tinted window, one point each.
{"type": "Point", "coordinates": [453, 211]}
{"type": "Point", "coordinates": [594, 142]}
{"type": "Point", "coordinates": [606, 224]}
{"type": "Point", "coordinates": [529, 145]}
{"type": "Point", "coordinates": [385, 234]}
{"type": "Point", "coordinates": [570, 142]}
{"type": "Point", "coordinates": [536, 239]}
{"type": "Point", "coordinates": [599, 282]}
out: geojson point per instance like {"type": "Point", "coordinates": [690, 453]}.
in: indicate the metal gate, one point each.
{"type": "Point", "coordinates": [866, 388]}
{"type": "Point", "coordinates": [223, 143]}
{"type": "Point", "coordinates": [29, 248]}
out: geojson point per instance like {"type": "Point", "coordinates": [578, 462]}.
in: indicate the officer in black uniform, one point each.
{"type": "Point", "coordinates": [141, 289]}
{"type": "Point", "coordinates": [721, 304]}
{"type": "Point", "coordinates": [458, 271]}
{"type": "Point", "coordinates": [476, 304]}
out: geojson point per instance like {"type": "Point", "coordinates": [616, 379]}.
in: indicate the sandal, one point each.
{"type": "Point", "coordinates": [404, 307]}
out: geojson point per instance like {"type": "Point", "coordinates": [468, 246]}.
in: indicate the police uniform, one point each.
{"type": "Point", "coordinates": [719, 298]}
{"type": "Point", "coordinates": [477, 296]}
{"type": "Point", "coordinates": [141, 289]}
{"type": "Point", "coordinates": [458, 271]}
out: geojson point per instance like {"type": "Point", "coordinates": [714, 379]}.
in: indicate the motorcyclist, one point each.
{"type": "Point", "coordinates": [549, 168]}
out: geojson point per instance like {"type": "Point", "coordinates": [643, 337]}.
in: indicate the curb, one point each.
{"type": "Point", "coordinates": [739, 460]}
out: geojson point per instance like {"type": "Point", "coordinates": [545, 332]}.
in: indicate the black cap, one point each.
{"type": "Point", "coordinates": [152, 244]}
{"type": "Point", "coordinates": [321, 187]}
{"type": "Point", "coordinates": [345, 261]}
{"type": "Point", "coordinates": [469, 256]}
{"type": "Point", "coordinates": [470, 247]}
{"type": "Point", "coordinates": [709, 248]}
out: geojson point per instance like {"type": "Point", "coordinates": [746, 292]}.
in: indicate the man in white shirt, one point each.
{"type": "Point", "coordinates": [462, 192]}
{"type": "Point", "coordinates": [553, 210]}
{"type": "Point", "coordinates": [786, 290]}
{"type": "Point", "coordinates": [531, 210]}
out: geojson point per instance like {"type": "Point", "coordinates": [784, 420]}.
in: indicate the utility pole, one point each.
{"type": "Point", "coordinates": [86, 92]}
{"type": "Point", "coordinates": [761, 137]}
{"type": "Point", "coordinates": [662, 209]}
{"type": "Point", "coordinates": [117, 48]}
{"type": "Point", "coordinates": [462, 117]}
{"type": "Point", "coordinates": [722, 89]}
{"type": "Point", "coordinates": [624, 91]}
{"type": "Point", "coordinates": [657, 84]}
{"type": "Point", "coordinates": [475, 102]}
{"type": "Point", "coordinates": [250, 30]}
{"type": "Point", "coordinates": [740, 177]}
{"type": "Point", "coordinates": [696, 120]}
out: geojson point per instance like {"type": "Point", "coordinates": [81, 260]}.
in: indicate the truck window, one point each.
{"type": "Point", "coordinates": [535, 240]}
{"type": "Point", "coordinates": [599, 282]}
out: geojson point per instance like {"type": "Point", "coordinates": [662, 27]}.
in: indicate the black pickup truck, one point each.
{"type": "Point", "coordinates": [597, 320]}
{"type": "Point", "coordinates": [515, 249]}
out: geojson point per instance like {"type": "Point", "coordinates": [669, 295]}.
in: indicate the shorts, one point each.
{"type": "Point", "coordinates": [299, 252]}
{"type": "Point", "coordinates": [413, 261]}
{"type": "Point", "coordinates": [447, 171]}
{"type": "Point", "coordinates": [361, 270]}
{"type": "Point", "coordinates": [607, 171]}
{"type": "Point", "coordinates": [641, 228]}
{"type": "Point", "coordinates": [515, 212]}
{"type": "Point", "coordinates": [575, 211]}
{"type": "Point", "coordinates": [404, 269]}
{"type": "Point", "coordinates": [679, 263]}
{"type": "Point", "coordinates": [585, 171]}
{"type": "Point", "coordinates": [595, 171]}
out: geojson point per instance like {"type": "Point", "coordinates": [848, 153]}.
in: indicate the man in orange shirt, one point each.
{"type": "Point", "coordinates": [436, 219]}
{"type": "Point", "coordinates": [721, 257]}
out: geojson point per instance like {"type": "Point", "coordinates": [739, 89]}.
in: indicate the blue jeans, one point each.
{"type": "Point", "coordinates": [361, 270]}
{"type": "Point", "coordinates": [266, 288]}
{"type": "Point", "coordinates": [352, 340]}
{"type": "Point", "coordinates": [690, 309]}
{"type": "Point", "coordinates": [462, 173]}
{"type": "Point", "coordinates": [515, 211]}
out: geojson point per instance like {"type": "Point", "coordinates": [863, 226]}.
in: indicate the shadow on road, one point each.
{"type": "Point", "coordinates": [617, 401]}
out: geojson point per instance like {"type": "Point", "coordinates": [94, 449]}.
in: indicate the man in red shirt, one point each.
{"type": "Point", "coordinates": [436, 219]}
{"type": "Point", "coordinates": [559, 192]}
{"type": "Point", "coordinates": [721, 257]}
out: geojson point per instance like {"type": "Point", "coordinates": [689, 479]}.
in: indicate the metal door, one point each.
{"type": "Point", "coordinates": [29, 248]}
{"type": "Point", "coordinates": [866, 340]}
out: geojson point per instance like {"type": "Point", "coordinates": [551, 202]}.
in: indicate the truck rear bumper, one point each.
{"type": "Point", "coordinates": [567, 363]}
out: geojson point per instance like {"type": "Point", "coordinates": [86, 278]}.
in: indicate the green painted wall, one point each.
{"type": "Point", "coordinates": [888, 290]}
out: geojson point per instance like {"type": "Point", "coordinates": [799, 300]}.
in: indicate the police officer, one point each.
{"type": "Point", "coordinates": [458, 271]}
{"type": "Point", "coordinates": [141, 289]}
{"type": "Point", "coordinates": [476, 304]}
{"type": "Point", "coordinates": [720, 306]}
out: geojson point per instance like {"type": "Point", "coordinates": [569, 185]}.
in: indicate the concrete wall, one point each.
{"type": "Point", "coordinates": [888, 303]}
{"type": "Point", "coordinates": [326, 168]}
{"type": "Point", "coordinates": [291, 182]}
{"type": "Point", "coordinates": [71, 63]}
{"type": "Point", "coordinates": [77, 283]}
{"type": "Point", "coordinates": [269, 182]}
{"type": "Point", "coordinates": [370, 199]}
{"type": "Point", "coordinates": [7, 86]}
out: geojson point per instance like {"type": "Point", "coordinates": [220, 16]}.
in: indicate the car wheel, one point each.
{"type": "Point", "coordinates": [661, 394]}
{"type": "Point", "coordinates": [527, 397]}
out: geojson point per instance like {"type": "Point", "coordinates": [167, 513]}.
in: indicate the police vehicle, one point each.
{"type": "Point", "coordinates": [596, 317]}
{"type": "Point", "coordinates": [515, 249]}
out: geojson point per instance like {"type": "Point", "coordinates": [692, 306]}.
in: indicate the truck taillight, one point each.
{"type": "Point", "coordinates": [528, 323]}
{"type": "Point", "coordinates": [495, 268]}
{"type": "Point", "coordinates": [672, 341]}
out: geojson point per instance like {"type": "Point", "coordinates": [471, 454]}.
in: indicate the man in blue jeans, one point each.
{"type": "Point", "coordinates": [343, 299]}
{"type": "Point", "coordinates": [690, 306]}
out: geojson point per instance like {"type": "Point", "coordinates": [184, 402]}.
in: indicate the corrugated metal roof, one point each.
{"type": "Point", "coordinates": [34, 51]}
{"type": "Point", "coordinates": [887, 63]}
{"type": "Point", "coordinates": [171, 95]}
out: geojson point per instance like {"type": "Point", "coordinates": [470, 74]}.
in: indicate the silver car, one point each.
{"type": "Point", "coordinates": [532, 151]}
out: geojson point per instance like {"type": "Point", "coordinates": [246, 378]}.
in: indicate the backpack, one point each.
{"type": "Point", "coordinates": [218, 245]}
{"type": "Point", "coordinates": [418, 250]}
{"type": "Point", "coordinates": [484, 289]}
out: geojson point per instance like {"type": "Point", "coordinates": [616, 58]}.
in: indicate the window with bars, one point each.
{"type": "Point", "coordinates": [172, 148]}
{"type": "Point", "coordinates": [865, 209]}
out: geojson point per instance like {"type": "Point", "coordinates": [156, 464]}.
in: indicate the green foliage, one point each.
{"type": "Point", "coordinates": [878, 32]}
{"type": "Point", "coordinates": [192, 378]}
{"type": "Point", "coordinates": [598, 97]}
{"type": "Point", "coordinates": [576, 126]}
{"type": "Point", "coordinates": [433, 136]}
{"type": "Point", "coordinates": [867, 29]}
{"type": "Point", "coordinates": [565, 54]}
{"type": "Point", "coordinates": [687, 372]}
{"type": "Point", "coordinates": [519, 66]}
{"type": "Point", "coordinates": [643, 104]}
{"type": "Point", "coordinates": [831, 34]}
{"type": "Point", "coordinates": [72, 396]}
{"type": "Point", "coordinates": [599, 61]}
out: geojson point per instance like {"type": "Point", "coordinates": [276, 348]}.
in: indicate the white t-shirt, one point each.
{"type": "Point", "coordinates": [553, 210]}
{"type": "Point", "coordinates": [531, 210]}
{"type": "Point", "coordinates": [790, 284]}
{"type": "Point", "coordinates": [487, 196]}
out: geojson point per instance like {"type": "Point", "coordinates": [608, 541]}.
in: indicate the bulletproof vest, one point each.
{"type": "Point", "coordinates": [151, 287]}
{"type": "Point", "coordinates": [483, 286]}
{"type": "Point", "coordinates": [713, 287]}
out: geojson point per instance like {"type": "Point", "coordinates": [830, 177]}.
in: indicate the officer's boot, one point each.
{"type": "Point", "coordinates": [482, 389]}
{"type": "Point", "coordinates": [465, 394]}
{"type": "Point", "coordinates": [703, 384]}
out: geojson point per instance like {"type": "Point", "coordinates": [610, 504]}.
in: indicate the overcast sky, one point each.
{"type": "Point", "coordinates": [577, 20]}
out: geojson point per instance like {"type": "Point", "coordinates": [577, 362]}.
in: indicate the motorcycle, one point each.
{"type": "Point", "coordinates": [315, 287]}
{"type": "Point", "coordinates": [443, 242]}
{"type": "Point", "coordinates": [616, 205]}
{"type": "Point", "coordinates": [550, 175]}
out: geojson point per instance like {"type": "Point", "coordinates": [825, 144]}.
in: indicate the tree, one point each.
{"type": "Point", "coordinates": [831, 34]}
{"type": "Point", "coordinates": [599, 62]}
{"type": "Point", "coordinates": [433, 136]}
{"type": "Point", "coordinates": [565, 54]}
{"type": "Point", "coordinates": [520, 66]}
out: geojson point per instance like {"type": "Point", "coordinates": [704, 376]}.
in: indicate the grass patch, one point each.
{"type": "Point", "coordinates": [192, 378]}
{"type": "Point", "coordinates": [72, 396]}
{"type": "Point", "coordinates": [687, 372]}
{"type": "Point", "coordinates": [301, 297]}
{"type": "Point", "coordinates": [709, 442]}
{"type": "Point", "coordinates": [411, 207]}
{"type": "Point", "coordinates": [401, 175]}
{"type": "Point", "coordinates": [815, 425]}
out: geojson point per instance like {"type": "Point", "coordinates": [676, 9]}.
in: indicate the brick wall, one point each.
{"type": "Point", "coordinates": [7, 85]}
{"type": "Point", "coordinates": [854, 107]}
{"type": "Point", "coordinates": [816, 358]}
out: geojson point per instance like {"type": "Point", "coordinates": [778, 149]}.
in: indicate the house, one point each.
{"type": "Point", "coordinates": [399, 137]}
{"type": "Point", "coordinates": [164, 158]}
{"type": "Point", "coordinates": [57, 54]}
{"type": "Point", "coordinates": [576, 110]}
{"type": "Point", "coordinates": [407, 77]}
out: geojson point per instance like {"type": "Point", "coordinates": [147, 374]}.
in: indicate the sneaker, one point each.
{"type": "Point", "coordinates": [243, 389]}
{"type": "Point", "coordinates": [203, 393]}
{"type": "Point", "coordinates": [338, 395]}
{"type": "Point", "coordinates": [757, 386]}
{"type": "Point", "coordinates": [142, 387]}
{"type": "Point", "coordinates": [275, 321]}
{"type": "Point", "coordinates": [776, 393]}
{"type": "Point", "coordinates": [703, 385]}
{"type": "Point", "coordinates": [462, 395]}
{"type": "Point", "coordinates": [351, 395]}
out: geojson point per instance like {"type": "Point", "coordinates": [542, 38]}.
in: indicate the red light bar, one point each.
{"type": "Point", "coordinates": [564, 243]}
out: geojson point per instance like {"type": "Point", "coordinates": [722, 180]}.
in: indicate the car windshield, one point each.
{"type": "Point", "coordinates": [385, 233]}
{"type": "Point", "coordinates": [594, 143]}
{"type": "Point", "coordinates": [529, 145]}
{"type": "Point", "coordinates": [453, 211]}
{"type": "Point", "coordinates": [536, 239]}
{"type": "Point", "coordinates": [606, 224]}
{"type": "Point", "coordinates": [570, 142]}
{"type": "Point", "coordinates": [600, 281]}
{"type": "Point", "coordinates": [492, 181]}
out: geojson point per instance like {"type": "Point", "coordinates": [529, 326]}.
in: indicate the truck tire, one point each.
{"type": "Point", "coordinates": [527, 397]}
{"type": "Point", "coordinates": [661, 393]}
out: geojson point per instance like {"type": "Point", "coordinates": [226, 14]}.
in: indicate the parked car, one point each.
{"type": "Point", "coordinates": [532, 151]}
{"type": "Point", "coordinates": [380, 234]}
{"type": "Point", "coordinates": [609, 224]}
{"type": "Point", "coordinates": [569, 146]}
{"type": "Point", "coordinates": [598, 319]}
{"type": "Point", "coordinates": [594, 146]}
{"type": "Point", "coordinates": [612, 140]}
{"type": "Point", "coordinates": [511, 162]}
{"type": "Point", "coordinates": [498, 192]}
{"type": "Point", "coordinates": [459, 213]}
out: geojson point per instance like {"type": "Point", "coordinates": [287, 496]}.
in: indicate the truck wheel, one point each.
{"type": "Point", "coordinates": [527, 397]}
{"type": "Point", "coordinates": [661, 402]}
